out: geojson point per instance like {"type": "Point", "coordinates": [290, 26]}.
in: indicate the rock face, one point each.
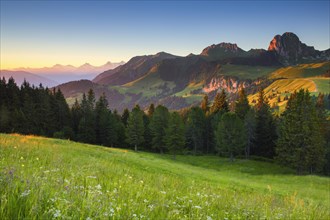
{"type": "Point", "coordinates": [290, 50]}
{"type": "Point", "coordinates": [230, 84]}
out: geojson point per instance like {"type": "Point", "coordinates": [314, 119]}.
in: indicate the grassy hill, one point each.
{"type": "Point", "coordinates": [301, 71]}
{"type": "Point", "coordinates": [50, 178]}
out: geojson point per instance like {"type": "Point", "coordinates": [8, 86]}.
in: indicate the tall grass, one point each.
{"type": "Point", "coordinates": [44, 178]}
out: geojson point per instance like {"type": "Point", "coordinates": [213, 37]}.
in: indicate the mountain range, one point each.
{"type": "Point", "coordinates": [58, 73]}
{"type": "Point", "coordinates": [179, 82]}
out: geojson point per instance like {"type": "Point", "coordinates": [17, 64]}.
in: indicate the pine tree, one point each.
{"type": "Point", "coordinates": [105, 129]}
{"type": "Point", "coordinates": [86, 128]}
{"type": "Point", "coordinates": [242, 105]}
{"type": "Point", "coordinates": [195, 129]}
{"type": "Point", "coordinates": [220, 103]}
{"type": "Point", "coordinates": [230, 135]}
{"type": "Point", "coordinates": [135, 128]}
{"type": "Point", "coordinates": [265, 131]}
{"type": "Point", "coordinates": [158, 125]}
{"type": "Point", "coordinates": [301, 143]}
{"type": "Point", "coordinates": [250, 126]}
{"type": "Point", "coordinates": [175, 134]}
{"type": "Point", "coordinates": [151, 110]}
{"type": "Point", "coordinates": [125, 116]}
{"type": "Point", "coordinates": [205, 104]}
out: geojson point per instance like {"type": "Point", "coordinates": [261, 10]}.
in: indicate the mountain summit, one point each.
{"type": "Point", "coordinates": [290, 50]}
{"type": "Point", "coordinates": [221, 51]}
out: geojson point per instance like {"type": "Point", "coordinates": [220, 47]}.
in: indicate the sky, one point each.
{"type": "Point", "coordinates": [44, 33]}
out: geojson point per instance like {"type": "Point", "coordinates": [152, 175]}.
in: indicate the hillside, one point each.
{"type": "Point", "coordinates": [33, 79]}
{"type": "Point", "coordinates": [49, 178]}
{"type": "Point", "coordinates": [179, 82]}
{"type": "Point", "coordinates": [311, 76]}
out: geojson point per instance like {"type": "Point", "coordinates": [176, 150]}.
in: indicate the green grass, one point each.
{"type": "Point", "coordinates": [301, 71]}
{"type": "Point", "coordinates": [246, 72]}
{"type": "Point", "coordinates": [44, 178]}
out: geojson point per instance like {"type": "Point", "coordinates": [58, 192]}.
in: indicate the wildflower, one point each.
{"type": "Point", "coordinates": [91, 177]}
{"type": "Point", "coordinates": [145, 200]}
{"type": "Point", "coordinates": [141, 181]}
{"type": "Point", "coordinates": [162, 192]}
{"type": "Point", "coordinates": [134, 215]}
{"type": "Point", "coordinates": [99, 187]}
{"type": "Point", "coordinates": [22, 158]}
{"type": "Point", "coordinates": [22, 165]}
{"type": "Point", "coordinates": [57, 213]}
{"type": "Point", "coordinates": [208, 218]}
{"type": "Point", "coordinates": [25, 193]}
{"type": "Point", "coordinates": [88, 218]}
{"type": "Point", "coordinates": [37, 158]}
{"type": "Point", "coordinates": [197, 207]}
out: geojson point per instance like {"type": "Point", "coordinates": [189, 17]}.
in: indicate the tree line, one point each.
{"type": "Point", "coordinates": [298, 138]}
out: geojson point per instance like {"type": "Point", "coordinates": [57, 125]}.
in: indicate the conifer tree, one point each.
{"type": "Point", "coordinates": [125, 116]}
{"type": "Point", "coordinates": [242, 105]}
{"type": "Point", "coordinates": [135, 127]}
{"type": "Point", "coordinates": [195, 129]}
{"type": "Point", "coordinates": [250, 126]}
{"type": "Point", "coordinates": [301, 143]}
{"type": "Point", "coordinates": [205, 104]}
{"type": "Point", "coordinates": [175, 134]}
{"type": "Point", "coordinates": [220, 103]}
{"type": "Point", "coordinates": [265, 131]}
{"type": "Point", "coordinates": [151, 110]}
{"type": "Point", "coordinates": [86, 128]}
{"type": "Point", "coordinates": [158, 125]}
{"type": "Point", "coordinates": [230, 135]}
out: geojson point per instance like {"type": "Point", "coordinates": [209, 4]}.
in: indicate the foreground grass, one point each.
{"type": "Point", "coordinates": [49, 178]}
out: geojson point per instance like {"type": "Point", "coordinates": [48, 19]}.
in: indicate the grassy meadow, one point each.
{"type": "Point", "coordinates": [43, 178]}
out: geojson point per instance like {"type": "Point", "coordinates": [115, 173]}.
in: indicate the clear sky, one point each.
{"type": "Point", "coordinates": [43, 33]}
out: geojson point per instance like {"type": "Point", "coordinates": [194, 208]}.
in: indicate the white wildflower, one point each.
{"type": "Point", "coordinates": [197, 207]}
{"type": "Point", "coordinates": [208, 218]}
{"type": "Point", "coordinates": [134, 215]}
{"type": "Point", "coordinates": [25, 193]}
{"type": "Point", "coordinates": [57, 213]}
{"type": "Point", "coordinates": [162, 192]}
{"type": "Point", "coordinates": [145, 200]}
{"type": "Point", "coordinates": [88, 218]}
{"type": "Point", "coordinates": [99, 187]}
{"type": "Point", "coordinates": [91, 177]}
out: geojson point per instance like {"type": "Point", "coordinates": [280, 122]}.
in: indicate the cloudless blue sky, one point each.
{"type": "Point", "coordinates": [42, 33]}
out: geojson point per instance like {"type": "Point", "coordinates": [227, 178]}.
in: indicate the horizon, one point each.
{"type": "Point", "coordinates": [98, 32]}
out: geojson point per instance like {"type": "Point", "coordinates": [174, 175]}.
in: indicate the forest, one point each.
{"type": "Point", "coordinates": [298, 138]}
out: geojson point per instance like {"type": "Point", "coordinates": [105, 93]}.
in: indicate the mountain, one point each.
{"type": "Point", "coordinates": [290, 50]}
{"type": "Point", "coordinates": [33, 79]}
{"type": "Point", "coordinates": [65, 73]}
{"type": "Point", "coordinates": [179, 82]}
{"type": "Point", "coordinates": [132, 70]}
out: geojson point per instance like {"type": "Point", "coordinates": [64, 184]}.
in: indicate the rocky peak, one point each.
{"type": "Point", "coordinates": [290, 50]}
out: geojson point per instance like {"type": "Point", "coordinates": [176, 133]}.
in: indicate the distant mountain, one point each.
{"type": "Point", "coordinates": [133, 69]}
{"type": "Point", "coordinates": [33, 79]}
{"type": "Point", "coordinates": [65, 73]}
{"type": "Point", "coordinates": [290, 50]}
{"type": "Point", "coordinates": [178, 82]}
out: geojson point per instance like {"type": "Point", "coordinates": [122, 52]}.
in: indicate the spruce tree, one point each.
{"type": "Point", "coordinates": [242, 105]}
{"type": "Point", "coordinates": [230, 135]}
{"type": "Point", "coordinates": [125, 116]}
{"type": "Point", "coordinates": [86, 128]}
{"type": "Point", "coordinates": [265, 131]}
{"type": "Point", "coordinates": [135, 127]}
{"type": "Point", "coordinates": [220, 103]}
{"type": "Point", "coordinates": [175, 134]}
{"type": "Point", "coordinates": [301, 143]}
{"type": "Point", "coordinates": [205, 104]}
{"type": "Point", "coordinates": [195, 130]}
{"type": "Point", "coordinates": [250, 126]}
{"type": "Point", "coordinates": [158, 125]}
{"type": "Point", "coordinates": [151, 110]}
